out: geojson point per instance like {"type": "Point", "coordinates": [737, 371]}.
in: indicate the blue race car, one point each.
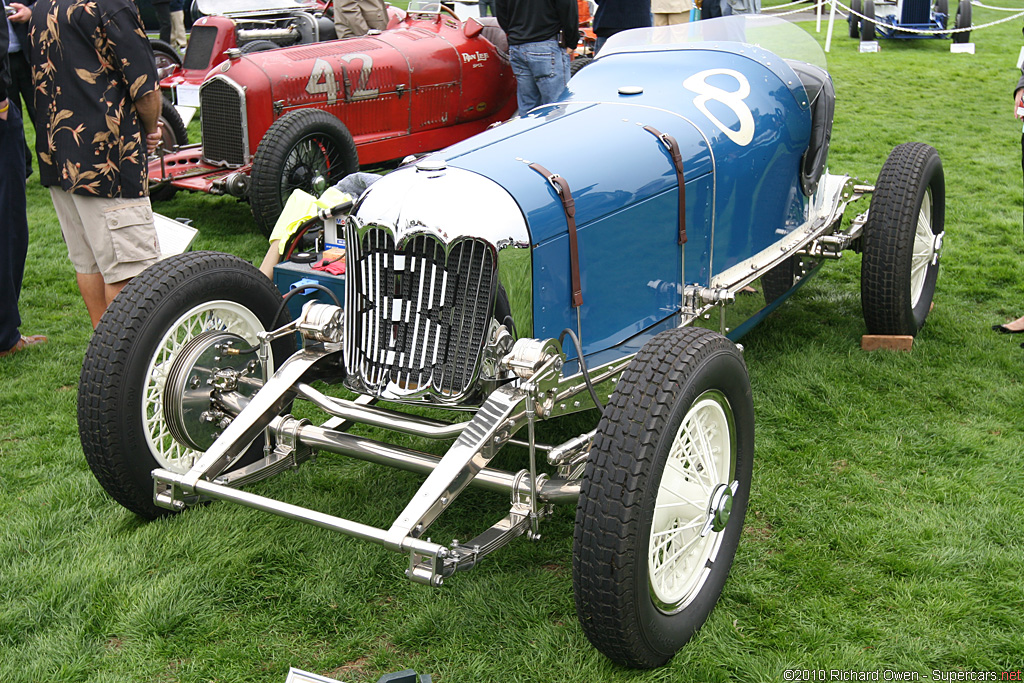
{"type": "Point", "coordinates": [597, 253]}
{"type": "Point", "coordinates": [908, 19]}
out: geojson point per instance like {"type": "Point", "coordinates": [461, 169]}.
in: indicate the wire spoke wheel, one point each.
{"type": "Point", "coordinates": [700, 463]}
{"type": "Point", "coordinates": [124, 404]}
{"type": "Point", "coordinates": [308, 166]}
{"type": "Point", "coordinates": [663, 497]}
{"type": "Point", "coordinates": [924, 250]}
{"type": "Point", "coordinates": [222, 315]}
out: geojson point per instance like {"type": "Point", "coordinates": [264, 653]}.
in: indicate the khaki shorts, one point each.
{"type": "Point", "coordinates": [115, 237]}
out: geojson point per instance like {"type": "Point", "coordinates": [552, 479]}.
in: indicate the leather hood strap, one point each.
{"type": "Point", "coordinates": [677, 161]}
{"type": "Point", "coordinates": [561, 187]}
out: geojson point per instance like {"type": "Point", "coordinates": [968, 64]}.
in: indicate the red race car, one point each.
{"type": "Point", "coordinates": [303, 117]}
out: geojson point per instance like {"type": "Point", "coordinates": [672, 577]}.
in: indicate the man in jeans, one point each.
{"type": "Point", "coordinates": [540, 33]}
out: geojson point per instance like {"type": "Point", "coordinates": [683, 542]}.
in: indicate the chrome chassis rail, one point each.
{"type": "Point", "coordinates": [509, 408]}
{"type": "Point", "coordinates": [819, 237]}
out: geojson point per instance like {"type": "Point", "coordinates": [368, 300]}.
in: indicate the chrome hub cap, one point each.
{"type": "Point", "coordinates": [720, 508]}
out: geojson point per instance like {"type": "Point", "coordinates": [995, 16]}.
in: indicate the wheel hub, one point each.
{"type": "Point", "coordinates": [202, 370]}
{"type": "Point", "coordinates": [719, 508]}
{"type": "Point", "coordinates": [319, 184]}
{"type": "Point", "coordinates": [937, 247]}
{"type": "Point", "coordinates": [299, 176]}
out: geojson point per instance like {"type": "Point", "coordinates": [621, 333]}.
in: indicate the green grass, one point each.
{"type": "Point", "coordinates": [885, 529]}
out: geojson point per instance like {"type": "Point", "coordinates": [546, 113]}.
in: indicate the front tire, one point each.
{"type": "Point", "coordinates": [175, 134]}
{"type": "Point", "coordinates": [306, 149]}
{"type": "Point", "coordinates": [902, 241]}
{"type": "Point", "coordinates": [963, 20]}
{"type": "Point", "coordinates": [663, 497]}
{"type": "Point", "coordinates": [942, 7]}
{"type": "Point", "coordinates": [121, 419]}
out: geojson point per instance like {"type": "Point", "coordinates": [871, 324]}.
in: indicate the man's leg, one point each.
{"type": "Point", "coordinates": [13, 226]}
{"type": "Point", "coordinates": [163, 17]}
{"type": "Point", "coordinates": [97, 294]}
{"type": "Point", "coordinates": [179, 39]}
{"type": "Point", "coordinates": [374, 13]}
{"type": "Point", "coordinates": [21, 90]}
{"type": "Point", "coordinates": [550, 66]}
{"type": "Point", "coordinates": [348, 19]}
{"type": "Point", "coordinates": [93, 294]}
{"type": "Point", "coordinates": [527, 94]}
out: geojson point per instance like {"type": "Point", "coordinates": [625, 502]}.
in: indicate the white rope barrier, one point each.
{"type": "Point", "coordinates": [786, 14]}
{"type": "Point", "coordinates": [768, 10]}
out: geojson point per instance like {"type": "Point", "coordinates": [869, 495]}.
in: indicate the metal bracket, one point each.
{"type": "Point", "coordinates": [696, 298]}
{"type": "Point", "coordinates": [256, 415]}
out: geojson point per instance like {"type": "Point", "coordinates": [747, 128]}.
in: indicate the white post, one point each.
{"type": "Point", "coordinates": [817, 11]}
{"type": "Point", "coordinates": [831, 24]}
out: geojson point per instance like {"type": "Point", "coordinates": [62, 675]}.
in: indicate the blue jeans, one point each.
{"type": "Point", "coordinates": [542, 70]}
{"type": "Point", "coordinates": [487, 7]}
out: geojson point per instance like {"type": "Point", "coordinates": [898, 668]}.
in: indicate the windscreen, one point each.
{"type": "Point", "coordinates": [757, 36]}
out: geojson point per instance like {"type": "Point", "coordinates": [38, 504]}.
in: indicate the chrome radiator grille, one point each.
{"type": "Point", "coordinates": [417, 316]}
{"type": "Point", "coordinates": [225, 137]}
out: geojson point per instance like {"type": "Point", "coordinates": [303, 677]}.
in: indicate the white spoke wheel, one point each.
{"type": "Point", "coordinates": [121, 409]}
{"type": "Point", "coordinates": [663, 497]}
{"type": "Point", "coordinates": [693, 488]}
{"type": "Point", "coordinates": [221, 315]}
{"type": "Point", "coordinates": [902, 241]}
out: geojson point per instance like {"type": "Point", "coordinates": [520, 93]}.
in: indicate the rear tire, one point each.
{"type": "Point", "coordinates": [673, 453]}
{"type": "Point", "coordinates": [258, 46]}
{"type": "Point", "coordinates": [578, 64]}
{"type": "Point", "coordinates": [942, 7]}
{"type": "Point", "coordinates": [902, 241]}
{"type": "Point", "coordinates": [121, 419]}
{"type": "Point", "coordinates": [166, 58]}
{"type": "Point", "coordinates": [867, 24]}
{"type": "Point", "coordinates": [780, 279]}
{"type": "Point", "coordinates": [853, 20]}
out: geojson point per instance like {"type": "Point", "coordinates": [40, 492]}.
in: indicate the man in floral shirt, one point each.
{"type": "Point", "coordinates": [97, 108]}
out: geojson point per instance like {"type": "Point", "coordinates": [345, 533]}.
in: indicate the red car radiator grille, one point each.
{"type": "Point", "coordinates": [223, 122]}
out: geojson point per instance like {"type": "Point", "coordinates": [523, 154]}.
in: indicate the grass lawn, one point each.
{"type": "Point", "coordinates": [886, 523]}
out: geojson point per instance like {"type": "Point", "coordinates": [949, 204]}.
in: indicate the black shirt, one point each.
{"type": "Point", "coordinates": [90, 62]}
{"type": "Point", "coordinates": [531, 21]}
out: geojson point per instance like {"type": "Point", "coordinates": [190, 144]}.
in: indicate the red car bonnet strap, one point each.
{"type": "Point", "coordinates": [569, 206]}
{"type": "Point", "coordinates": [677, 160]}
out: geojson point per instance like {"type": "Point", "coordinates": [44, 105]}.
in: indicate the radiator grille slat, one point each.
{"type": "Point", "coordinates": [419, 314]}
